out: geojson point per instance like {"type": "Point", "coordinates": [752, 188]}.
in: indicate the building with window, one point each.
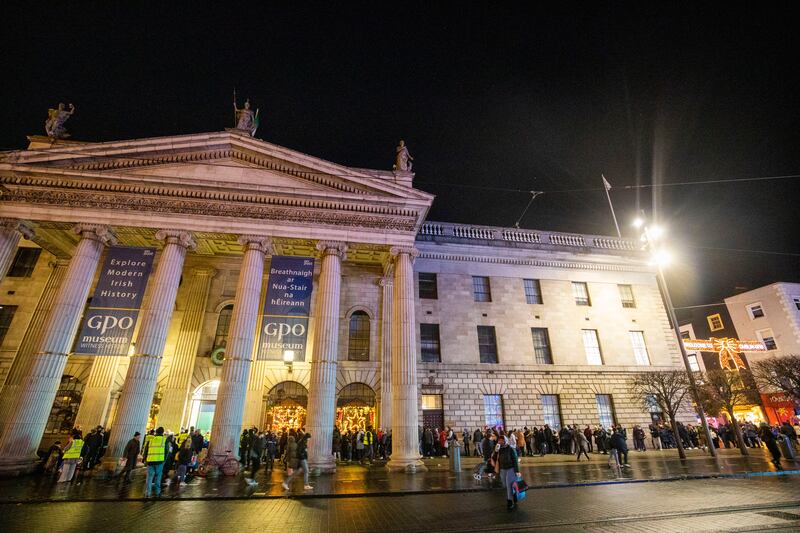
{"type": "Point", "coordinates": [412, 321]}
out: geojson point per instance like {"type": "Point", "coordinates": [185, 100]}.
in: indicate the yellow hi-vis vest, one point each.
{"type": "Point", "coordinates": [368, 437]}
{"type": "Point", "coordinates": [75, 450]}
{"type": "Point", "coordinates": [181, 437]}
{"type": "Point", "coordinates": [155, 450]}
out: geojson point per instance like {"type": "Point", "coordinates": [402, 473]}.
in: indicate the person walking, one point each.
{"type": "Point", "coordinates": [508, 465]}
{"type": "Point", "coordinates": [257, 445]}
{"type": "Point", "coordinates": [765, 432]}
{"type": "Point", "coordinates": [581, 444]}
{"type": "Point", "coordinates": [155, 449]}
{"type": "Point", "coordinates": [298, 456]}
{"type": "Point", "coordinates": [72, 456]}
{"type": "Point", "coordinates": [130, 455]}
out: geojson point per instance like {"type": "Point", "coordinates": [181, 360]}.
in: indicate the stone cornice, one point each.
{"type": "Point", "coordinates": [215, 207]}
{"type": "Point", "coordinates": [576, 265]}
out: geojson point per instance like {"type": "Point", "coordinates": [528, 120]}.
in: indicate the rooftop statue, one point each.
{"type": "Point", "coordinates": [246, 120]}
{"type": "Point", "coordinates": [402, 158]}
{"type": "Point", "coordinates": [54, 125]}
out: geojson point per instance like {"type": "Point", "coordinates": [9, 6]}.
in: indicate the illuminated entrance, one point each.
{"type": "Point", "coordinates": [204, 402]}
{"type": "Point", "coordinates": [286, 406]}
{"type": "Point", "coordinates": [355, 407]}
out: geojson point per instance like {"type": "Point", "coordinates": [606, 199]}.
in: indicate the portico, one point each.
{"type": "Point", "coordinates": [217, 207]}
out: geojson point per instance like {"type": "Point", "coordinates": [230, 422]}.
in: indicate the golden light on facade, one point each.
{"type": "Point", "coordinates": [727, 348]}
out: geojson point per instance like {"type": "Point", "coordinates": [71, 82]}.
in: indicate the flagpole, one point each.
{"type": "Point", "coordinates": [607, 187]}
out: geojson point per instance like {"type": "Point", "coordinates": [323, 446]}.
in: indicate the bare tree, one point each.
{"type": "Point", "coordinates": [725, 390]}
{"type": "Point", "coordinates": [779, 373]}
{"type": "Point", "coordinates": [669, 390]}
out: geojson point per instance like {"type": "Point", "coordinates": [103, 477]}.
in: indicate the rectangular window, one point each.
{"type": "Point", "coordinates": [626, 295]}
{"type": "Point", "coordinates": [427, 286]}
{"type": "Point", "coordinates": [481, 290]}
{"type": "Point", "coordinates": [605, 410]}
{"type": "Point", "coordinates": [639, 347]}
{"type": "Point", "coordinates": [493, 410]}
{"type": "Point", "coordinates": [693, 364]}
{"type": "Point", "coordinates": [768, 338]}
{"type": "Point", "coordinates": [432, 401]}
{"type": "Point", "coordinates": [715, 322]}
{"type": "Point", "coordinates": [24, 262]}
{"type": "Point", "coordinates": [796, 300]}
{"type": "Point", "coordinates": [581, 293]}
{"type": "Point", "coordinates": [755, 311]}
{"type": "Point", "coordinates": [6, 316]}
{"type": "Point", "coordinates": [429, 343]}
{"type": "Point", "coordinates": [533, 292]}
{"type": "Point", "coordinates": [552, 410]}
{"type": "Point", "coordinates": [591, 344]}
{"type": "Point", "coordinates": [541, 346]}
{"type": "Point", "coordinates": [487, 344]}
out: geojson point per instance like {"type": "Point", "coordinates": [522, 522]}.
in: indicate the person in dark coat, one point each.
{"type": "Point", "coordinates": [765, 432]}
{"type": "Point", "coordinates": [131, 456]}
{"type": "Point", "coordinates": [618, 443]}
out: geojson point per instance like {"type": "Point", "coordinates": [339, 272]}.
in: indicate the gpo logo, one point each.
{"type": "Point", "coordinates": [107, 322]}
{"type": "Point", "coordinates": [281, 330]}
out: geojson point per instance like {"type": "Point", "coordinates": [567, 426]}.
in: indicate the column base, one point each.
{"type": "Point", "coordinates": [319, 468]}
{"type": "Point", "coordinates": [408, 465]}
{"type": "Point", "coordinates": [18, 466]}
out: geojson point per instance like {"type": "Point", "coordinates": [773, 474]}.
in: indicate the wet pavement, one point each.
{"type": "Point", "coordinates": [770, 503]}
{"type": "Point", "coordinates": [354, 480]}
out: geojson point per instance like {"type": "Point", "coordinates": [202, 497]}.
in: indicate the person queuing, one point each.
{"type": "Point", "coordinates": [130, 455]}
{"type": "Point", "coordinates": [155, 452]}
{"type": "Point", "coordinates": [73, 450]}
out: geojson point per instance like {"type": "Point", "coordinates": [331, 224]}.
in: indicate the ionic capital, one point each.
{"type": "Point", "coordinates": [396, 251]}
{"type": "Point", "coordinates": [12, 224]}
{"type": "Point", "coordinates": [385, 282]}
{"type": "Point", "coordinates": [336, 248]}
{"type": "Point", "coordinates": [174, 236]}
{"type": "Point", "coordinates": [96, 232]}
{"type": "Point", "coordinates": [262, 243]}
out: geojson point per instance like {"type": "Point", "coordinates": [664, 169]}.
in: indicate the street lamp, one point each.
{"type": "Point", "coordinates": [660, 258]}
{"type": "Point", "coordinates": [288, 359]}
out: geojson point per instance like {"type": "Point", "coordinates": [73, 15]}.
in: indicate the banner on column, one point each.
{"type": "Point", "coordinates": [111, 318]}
{"type": "Point", "coordinates": [284, 327]}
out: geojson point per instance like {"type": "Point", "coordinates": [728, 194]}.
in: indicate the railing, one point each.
{"type": "Point", "coordinates": [514, 235]}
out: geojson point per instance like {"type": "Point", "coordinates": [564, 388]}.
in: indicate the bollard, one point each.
{"type": "Point", "coordinates": [455, 456]}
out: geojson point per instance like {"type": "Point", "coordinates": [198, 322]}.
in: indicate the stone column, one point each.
{"type": "Point", "coordinates": [10, 232]}
{"type": "Point", "coordinates": [31, 407]}
{"type": "Point", "coordinates": [140, 381]}
{"type": "Point", "coordinates": [386, 352]}
{"type": "Point", "coordinates": [227, 424]}
{"type": "Point", "coordinates": [322, 389]}
{"type": "Point", "coordinates": [405, 417]}
{"type": "Point", "coordinates": [176, 390]}
{"type": "Point", "coordinates": [254, 397]}
{"type": "Point", "coordinates": [22, 361]}
{"type": "Point", "coordinates": [97, 393]}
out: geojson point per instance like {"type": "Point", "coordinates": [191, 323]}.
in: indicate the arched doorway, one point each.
{"type": "Point", "coordinates": [204, 402]}
{"type": "Point", "coordinates": [355, 407]}
{"type": "Point", "coordinates": [286, 406]}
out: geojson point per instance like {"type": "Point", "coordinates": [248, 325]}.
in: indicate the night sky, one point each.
{"type": "Point", "coordinates": [493, 97]}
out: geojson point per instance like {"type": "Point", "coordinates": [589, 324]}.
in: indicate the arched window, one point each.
{"type": "Point", "coordinates": [358, 347]}
{"type": "Point", "coordinates": [65, 406]}
{"type": "Point", "coordinates": [223, 325]}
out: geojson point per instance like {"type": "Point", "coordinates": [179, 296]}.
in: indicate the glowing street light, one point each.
{"type": "Point", "coordinates": [638, 222]}
{"type": "Point", "coordinates": [661, 258]}
{"type": "Point", "coordinates": [288, 359]}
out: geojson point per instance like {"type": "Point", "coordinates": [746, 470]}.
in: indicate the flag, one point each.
{"type": "Point", "coordinates": [606, 184]}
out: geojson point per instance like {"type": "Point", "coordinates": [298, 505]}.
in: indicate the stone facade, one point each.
{"type": "Point", "coordinates": [216, 191]}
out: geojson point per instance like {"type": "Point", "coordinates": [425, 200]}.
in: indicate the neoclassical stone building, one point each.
{"type": "Point", "coordinates": [411, 321]}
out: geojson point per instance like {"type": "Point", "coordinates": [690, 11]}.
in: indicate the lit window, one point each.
{"type": "Point", "coordinates": [715, 322]}
{"type": "Point", "coordinates": [552, 410]}
{"type": "Point", "coordinates": [533, 292]}
{"type": "Point", "coordinates": [693, 364]}
{"type": "Point", "coordinates": [755, 311]}
{"type": "Point", "coordinates": [427, 286]}
{"type": "Point", "coordinates": [768, 338]}
{"type": "Point", "coordinates": [358, 346]}
{"type": "Point", "coordinates": [639, 347]}
{"type": "Point", "coordinates": [626, 295]}
{"type": "Point", "coordinates": [432, 401]}
{"type": "Point", "coordinates": [591, 344]}
{"type": "Point", "coordinates": [487, 344]}
{"type": "Point", "coordinates": [541, 346]}
{"type": "Point", "coordinates": [581, 293]}
{"type": "Point", "coordinates": [24, 262]}
{"type": "Point", "coordinates": [430, 347]}
{"type": "Point", "coordinates": [223, 325]}
{"type": "Point", "coordinates": [481, 289]}
{"type": "Point", "coordinates": [493, 410]}
{"type": "Point", "coordinates": [6, 316]}
{"type": "Point", "coordinates": [605, 410]}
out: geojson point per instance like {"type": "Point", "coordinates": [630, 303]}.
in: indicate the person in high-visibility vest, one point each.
{"type": "Point", "coordinates": [72, 456]}
{"type": "Point", "coordinates": [154, 453]}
